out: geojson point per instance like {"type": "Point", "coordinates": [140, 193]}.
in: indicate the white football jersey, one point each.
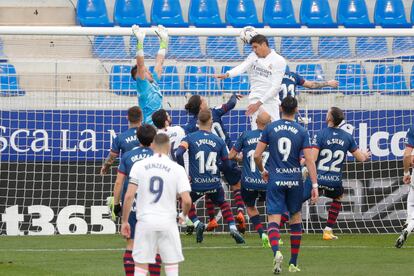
{"type": "Point", "coordinates": [176, 134]}
{"type": "Point", "coordinates": [159, 181]}
{"type": "Point", "coordinates": [265, 75]}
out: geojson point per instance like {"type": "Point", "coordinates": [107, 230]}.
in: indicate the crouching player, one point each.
{"type": "Point", "coordinates": [330, 147]}
{"type": "Point", "coordinates": [231, 173]}
{"type": "Point", "coordinates": [253, 185]}
{"type": "Point", "coordinates": [285, 139]}
{"type": "Point", "coordinates": [205, 150]}
{"type": "Point", "coordinates": [145, 135]}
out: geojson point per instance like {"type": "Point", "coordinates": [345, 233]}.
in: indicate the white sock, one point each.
{"type": "Point", "coordinates": [140, 271]}
{"type": "Point", "coordinates": [196, 223]}
{"type": "Point", "coordinates": [328, 228]}
{"type": "Point", "coordinates": [410, 227]}
{"type": "Point", "coordinates": [233, 227]}
{"type": "Point", "coordinates": [171, 270]}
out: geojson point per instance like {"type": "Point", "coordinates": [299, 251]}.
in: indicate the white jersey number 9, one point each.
{"type": "Point", "coordinates": [284, 145]}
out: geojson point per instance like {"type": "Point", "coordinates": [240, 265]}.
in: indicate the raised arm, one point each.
{"type": "Point", "coordinates": [320, 84]}
{"type": "Point", "coordinates": [140, 36]}
{"type": "Point", "coordinates": [162, 34]}
{"type": "Point", "coordinates": [238, 70]}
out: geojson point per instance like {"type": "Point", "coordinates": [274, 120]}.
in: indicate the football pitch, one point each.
{"type": "Point", "coordinates": [218, 255]}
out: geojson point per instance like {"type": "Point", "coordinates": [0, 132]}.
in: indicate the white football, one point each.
{"type": "Point", "coordinates": [247, 34]}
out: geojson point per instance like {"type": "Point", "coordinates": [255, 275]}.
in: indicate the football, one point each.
{"type": "Point", "coordinates": [247, 34]}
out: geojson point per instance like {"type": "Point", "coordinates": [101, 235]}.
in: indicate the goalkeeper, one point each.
{"type": "Point", "coordinates": [149, 93]}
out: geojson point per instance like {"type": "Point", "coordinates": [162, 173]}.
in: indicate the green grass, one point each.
{"type": "Point", "coordinates": [218, 255]}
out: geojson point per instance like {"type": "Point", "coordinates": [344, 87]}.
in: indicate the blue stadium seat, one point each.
{"type": "Point", "coordinates": [222, 48]}
{"type": "Point", "coordinates": [316, 14]}
{"type": "Point", "coordinates": [297, 48]}
{"type": "Point", "coordinates": [402, 45]}
{"type": "Point", "coordinates": [371, 47]}
{"type": "Point", "coordinates": [109, 47]}
{"type": "Point", "coordinates": [334, 47]}
{"type": "Point", "coordinates": [389, 80]}
{"type": "Point", "coordinates": [239, 84]}
{"type": "Point", "coordinates": [185, 47]}
{"type": "Point", "coordinates": [92, 13]}
{"type": "Point", "coordinates": [241, 13]}
{"type": "Point", "coordinates": [412, 78]}
{"type": "Point", "coordinates": [353, 14]}
{"type": "Point", "coordinates": [167, 13]}
{"type": "Point", "coordinates": [130, 12]}
{"type": "Point", "coordinates": [169, 81]}
{"type": "Point", "coordinates": [279, 14]}
{"type": "Point", "coordinates": [150, 48]}
{"type": "Point", "coordinates": [390, 14]}
{"type": "Point", "coordinates": [121, 82]}
{"type": "Point", "coordinates": [352, 79]}
{"type": "Point", "coordinates": [9, 83]}
{"type": "Point", "coordinates": [199, 80]}
{"type": "Point", "coordinates": [247, 48]}
{"type": "Point", "coordinates": [205, 13]}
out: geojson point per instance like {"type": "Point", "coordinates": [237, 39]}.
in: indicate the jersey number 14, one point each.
{"type": "Point", "coordinates": [209, 165]}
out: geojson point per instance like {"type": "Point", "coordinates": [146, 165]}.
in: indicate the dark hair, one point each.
{"type": "Point", "coordinates": [259, 39]}
{"type": "Point", "coordinates": [289, 105]}
{"type": "Point", "coordinates": [135, 114]}
{"type": "Point", "coordinates": [159, 117]}
{"type": "Point", "coordinates": [145, 134]}
{"type": "Point", "coordinates": [204, 116]}
{"type": "Point", "coordinates": [337, 115]}
{"type": "Point", "coordinates": [193, 104]}
{"type": "Point", "coordinates": [134, 72]}
{"type": "Point", "coordinates": [161, 139]}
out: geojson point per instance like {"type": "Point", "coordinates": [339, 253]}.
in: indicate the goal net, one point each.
{"type": "Point", "coordinates": [64, 98]}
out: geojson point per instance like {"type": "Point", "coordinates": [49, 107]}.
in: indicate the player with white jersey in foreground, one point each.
{"type": "Point", "coordinates": [266, 69]}
{"type": "Point", "coordinates": [156, 182]}
{"type": "Point", "coordinates": [163, 122]}
{"type": "Point", "coordinates": [408, 179]}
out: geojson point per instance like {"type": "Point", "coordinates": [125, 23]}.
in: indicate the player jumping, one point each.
{"type": "Point", "coordinates": [125, 141]}
{"type": "Point", "coordinates": [409, 180]}
{"type": "Point", "coordinates": [155, 182]}
{"type": "Point", "coordinates": [266, 69]}
{"type": "Point", "coordinates": [145, 135]}
{"type": "Point", "coordinates": [285, 139]}
{"type": "Point", "coordinates": [232, 174]}
{"type": "Point", "coordinates": [253, 186]}
{"type": "Point", "coordinates": [149, 94]}
{"type": "Point", "coordinates": [330, 147]}
{"type": "Point", "coordinates": [205, 150]}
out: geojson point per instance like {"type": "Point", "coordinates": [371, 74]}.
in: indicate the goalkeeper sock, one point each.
{"type": "Point", "coordinates": [210, 209]}
{"type": "Point", "coordinates": [333, 213]}
{"type": "Point", "coordinates": [283, 219]}
{"type": "Point", "coordinates": [128, 263]}
{"type": "Point", "coordinates": [155, 269]}
{"type": "Point", "coordinates": [140, 271]}
{"type": "Point", "coordinates": [239, 200]}
{"type": "Point", "coordinates": [274, 236]}
{"type": "Point", "coordinates": [255, 220]}
{"type": "Point", "coordinates": [171, 270]}
{"type": "Point", "coordinates": [295, 239]}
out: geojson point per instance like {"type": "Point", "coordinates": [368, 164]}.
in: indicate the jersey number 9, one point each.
{"type": "Point", "coordinates": [156, 187]}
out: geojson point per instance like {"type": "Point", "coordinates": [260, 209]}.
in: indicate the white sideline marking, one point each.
{"type": "Point", "coordinates": [195, 248]}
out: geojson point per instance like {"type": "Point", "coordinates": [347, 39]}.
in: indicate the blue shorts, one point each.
{"type": "Point", "coordinates": [324, 190]}
{"type": "Point", "coordinates": [216, 196]}
{"type": "Point", "coordinates": [233, 174]}
{"type": "Point", "coordinates": [251, 196]}
{"type": "Point", "coordinates": [132, 220]}
{"type": "Point", "coordinates": [282, 199]}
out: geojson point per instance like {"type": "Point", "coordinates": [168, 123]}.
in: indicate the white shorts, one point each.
{"type": "Point", "coordinates": [271, 107]}
{"type": "Point", "coordinates": [148, 243]}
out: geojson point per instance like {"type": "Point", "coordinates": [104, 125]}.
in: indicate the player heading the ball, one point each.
{"type": "Point", "coordinates": [148, 90]}
{"type": "Point", "coordinates": [155, 182]}
{"type": "Point", "coordinates": [266, 69]}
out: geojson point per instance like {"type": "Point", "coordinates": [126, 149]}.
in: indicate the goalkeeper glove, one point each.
{"type": "Point", "coordinates": [140, 36]}
{"type": "Point", "coordinates": [162, 34]}
{"type": "Point", "coordinates": [115, 210]}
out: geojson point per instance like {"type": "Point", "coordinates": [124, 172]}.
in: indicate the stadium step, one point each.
{"type": "Point", "coordinates": [29, 12]}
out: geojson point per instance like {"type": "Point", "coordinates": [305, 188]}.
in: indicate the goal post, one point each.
{"type": "Point", "coordinates": [65, 92]}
